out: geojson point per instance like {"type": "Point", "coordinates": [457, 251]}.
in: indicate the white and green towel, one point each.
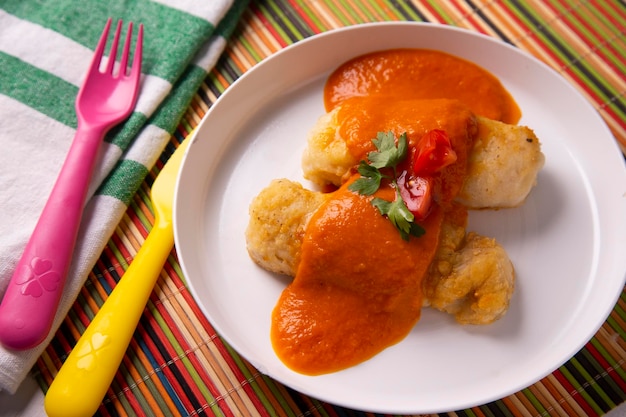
{"type": "Point", "coordinates": [45, 50]}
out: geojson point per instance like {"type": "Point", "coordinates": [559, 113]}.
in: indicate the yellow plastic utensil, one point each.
{"type": "Point", "coordinates": [82, 381]}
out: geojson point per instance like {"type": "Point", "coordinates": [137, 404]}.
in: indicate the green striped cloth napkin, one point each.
{"type": "Point", "coordinates": [45, 50]}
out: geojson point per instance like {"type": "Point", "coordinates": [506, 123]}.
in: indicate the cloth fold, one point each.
{"type": "Point", "coordinates": [45, 50]}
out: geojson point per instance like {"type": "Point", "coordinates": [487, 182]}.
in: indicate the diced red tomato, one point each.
{"type": "Point", "coordinates": [434, 152]}
{"type": "Point", "coordinates": [416, 193]}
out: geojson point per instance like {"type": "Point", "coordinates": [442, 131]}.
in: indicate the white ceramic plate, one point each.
{"type": "Point", "coordinates": [567, 242]}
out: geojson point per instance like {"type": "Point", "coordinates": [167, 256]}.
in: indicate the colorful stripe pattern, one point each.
{"type": "Point", "coordinates": [178, 365]}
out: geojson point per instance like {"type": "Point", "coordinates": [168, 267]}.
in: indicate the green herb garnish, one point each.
{"type": "Point", "coordinates": [387, 156]}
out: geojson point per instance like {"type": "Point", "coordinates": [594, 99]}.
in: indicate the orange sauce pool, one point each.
{"type": "Point", "coordinates": [358, 287]}
{"type": "Point", "coordinates": [423, 74]}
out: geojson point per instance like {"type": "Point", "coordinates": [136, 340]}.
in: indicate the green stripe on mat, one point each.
{"type": "Point", "coordinates": [145, 199]}
{"type": "Point", "coordinates": [620, 311]}
{"type": "Point", "coordinates": [183, 357]}
{"type": "Point", "coordinates": [440, 10]}
{"type": "Point", "coordinates": [408, 11]}
{"type": "Point", "coordinates": [589, 375]}
{"type": "Point", "coordinates": [616, 326]}
{"type": "Point", "coordinates": [380, 11]}
{"type": "Point", "coordinates": [568, 56]}
{"type": "Point", "coordinates": [294, 25]}
{"type": "Point", "coordinates": [581, 26]}
{"type": "Point", "coordinates": [305, 10]}
{"type": "Point", "coordinates": [276, 25]}
{"type": "Point", "coordinates": [580, 389]}
{"type": "Point", "coordinates": [532, 399]}
{"type": "Point", "coordinates": [92, 293]}
{"type": "Point", "coordinates": [150, 377]}
{"type": "Point", "coordinates": [127, 382]}
{"type": "Point", "coordinates": [250, 379]}
{"type": "Point", "coordinates": [615, 365]}
{"type": "Point", "coordinates": [332, 6]}
{"type": "Point", "coordinates": [608, 7]}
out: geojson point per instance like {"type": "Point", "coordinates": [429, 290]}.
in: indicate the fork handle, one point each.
{"type": "Point", "coordinates": [33, 293]}
{"type": "Point", "coordinates": [87, 373]}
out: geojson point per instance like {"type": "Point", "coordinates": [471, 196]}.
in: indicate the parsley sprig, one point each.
{"type": "Point", "coordinates": [388, 155]}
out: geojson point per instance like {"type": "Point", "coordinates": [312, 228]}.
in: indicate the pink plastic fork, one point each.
{"type": "Point", "coordinates": [104, 100]}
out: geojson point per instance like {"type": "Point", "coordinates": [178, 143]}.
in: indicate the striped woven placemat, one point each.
{"type": "Point", "coordinates": [178, 365]}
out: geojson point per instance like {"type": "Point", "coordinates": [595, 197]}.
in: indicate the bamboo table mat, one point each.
{"type": "Point", "coordinates": [177, 365]}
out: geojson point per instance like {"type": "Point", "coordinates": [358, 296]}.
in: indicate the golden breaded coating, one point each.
{"type": "Point", "coordinates": [471, 277]}
{"type": "Point", "coordinates": [326, 158]}
{"type": "Point", "coordinates": [278, 218]}
{"type": "Point", "coordinates": [502, 166]}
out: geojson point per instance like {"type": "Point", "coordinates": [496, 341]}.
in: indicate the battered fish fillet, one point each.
{"type": "Point", "coordinates": [278, 219]}
{"type": "Point", "coordinates": [502, 167]}
{"type": "Point", "coordinates": [471, 276]}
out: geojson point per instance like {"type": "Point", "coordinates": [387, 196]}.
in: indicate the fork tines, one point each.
{"type": "Point", "coordinates": [110, 66]}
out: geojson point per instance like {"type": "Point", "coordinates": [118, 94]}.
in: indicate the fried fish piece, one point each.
{"type": "Point", "coordinates": [278, 218]}
{"type": "Point", "coordinates": [502, 166]}
{"type": "Point", "coordinates": [326, 159]}
{"type": "Point", "coordinates": [471, 276]}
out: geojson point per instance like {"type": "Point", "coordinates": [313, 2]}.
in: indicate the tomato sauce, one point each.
{"type": "Point", "coordinates": [358, 286]}
{"type": "Point", "coordinates": [363, 117]}
{"type": "Point", "coordinates": [421, 73]}
{"type": "Point", "coordinates": [346, 303]}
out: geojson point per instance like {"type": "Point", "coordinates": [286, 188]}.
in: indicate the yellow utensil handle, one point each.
{"type": "Point", "coordinates": [82, 381]}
